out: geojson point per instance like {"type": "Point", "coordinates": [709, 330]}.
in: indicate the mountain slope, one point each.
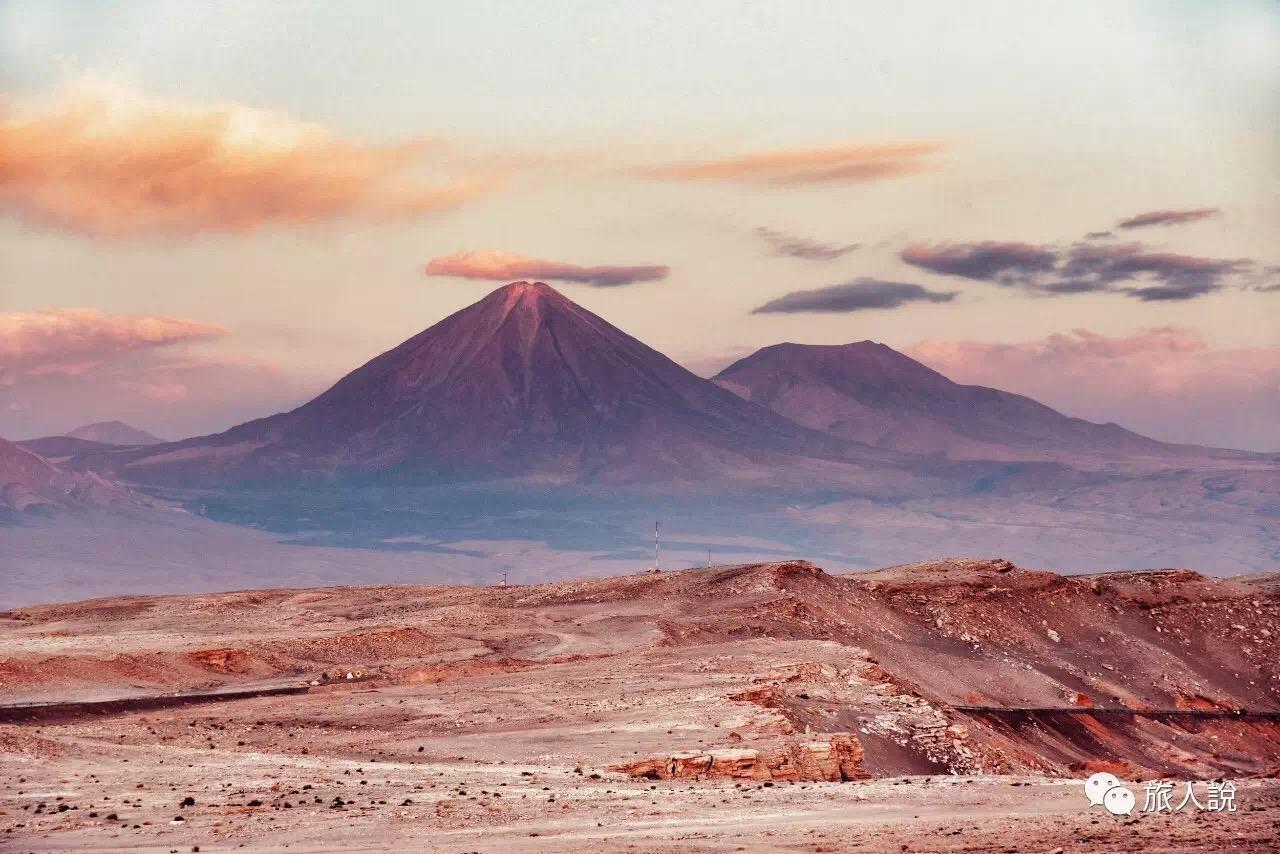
{"type": "Point", "coordinates": [524, 383]}
{"type": "Point", "coordinates": [870, 393]}
{"type": "Point", "coordinates": [54, 448]}
{"type": "Point", "coordinates": [114, 433]}
{"type": "Point", "coordinates": [29, 483]}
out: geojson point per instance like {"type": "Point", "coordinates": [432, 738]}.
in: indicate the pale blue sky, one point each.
{"type": "Point", "coordinates": [666, 69]}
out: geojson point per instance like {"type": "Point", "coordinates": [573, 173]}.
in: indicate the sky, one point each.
{"type": "Point", "coordinates": [211, 212]}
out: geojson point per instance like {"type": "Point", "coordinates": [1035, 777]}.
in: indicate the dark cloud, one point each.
{"type": "Point", "coordinates": [989, 261]}
{"type": "Point", "coordinates": [1268, 289]}
{"type": "Point", "coordinates": [858, 295]}
{"type": "Point", "coordinates": [1099, 235]}
{"type": "Point", "coordinates": [1172, 292]}
{"type": "Point", "coordinates": [1125, 268]}
{"type": "Point", "coordinates": [1152, 218]}
{"type": "Point", "coordinates": [1071, 286]}
{"type": "Point", "coordinates": [1167, 275]}
{"type": "Point", "coordinates": [801, 247]}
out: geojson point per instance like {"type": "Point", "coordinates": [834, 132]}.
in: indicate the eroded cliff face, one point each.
{"type": "Point", "coordinates": [768, 672]}
{"type": "Point", "coordinates": [836, 759]}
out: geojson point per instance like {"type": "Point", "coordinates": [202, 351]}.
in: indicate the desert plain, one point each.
{"type": "Point", "coordinates": [947, 706]}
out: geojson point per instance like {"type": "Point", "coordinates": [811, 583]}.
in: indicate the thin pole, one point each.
{"type": "Point", "coordinates": [657, 545]}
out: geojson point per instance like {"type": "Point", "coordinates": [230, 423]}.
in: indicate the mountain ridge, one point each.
{"type": "Point", "coordinates": [526, 386]}
{"type": "Point", "coordinates": [868, 392]}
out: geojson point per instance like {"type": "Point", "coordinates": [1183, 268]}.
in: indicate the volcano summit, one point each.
{"type": "Point", "coordinates": [524, 383]}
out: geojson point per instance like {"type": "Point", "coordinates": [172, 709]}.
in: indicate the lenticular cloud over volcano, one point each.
{"type": "Point", "coordinates": [497, 266]}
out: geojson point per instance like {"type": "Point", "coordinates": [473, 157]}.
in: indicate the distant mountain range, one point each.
{"type": "Point", "coordinates": [526, 417]}
{"type": "Point", "coordinates": [114, 433]}
{"type": "Point", "coordinates": [99, 436]}
{"type": "Point", "coordinates": [522, 384]}
{"type": "Point", "coordinates": [527, 385]}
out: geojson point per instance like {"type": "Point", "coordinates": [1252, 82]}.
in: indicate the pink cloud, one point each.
{"type": "Point", "coordinates": [65, 367]}
{"type": "Point", "coordinates": [103, 161]}
{"type": "Point", "coordinates": [70, 340]}
{"type": "Point", "coordinates": [166, 394]}
{"type": "Point", "coordinates": [1165, 382]}
{"type": "Point", "coordinates": [491, 265]}
{"type": "Point", "coordinates": [848, 163]}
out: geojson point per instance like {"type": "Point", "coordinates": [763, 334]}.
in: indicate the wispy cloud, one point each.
{"type": "Point", "coordinates": [1153, 218]}
{"type": "Point", "coordinates": [802, 247]}
{"type": "Point", "coordinates": [169, 393]}
{"type": "Point", "coordinates": [1127, 268]}
{"type": "Point", "coordinates": [104, 161]}
{"type": "Point", "coordinates": [1165, 382]}
{"type": "Point", "coordinates": [495, 266]}
{"type": "Point", "coordinates": [69, 340]}
{"type": "Point", "coordinates": [858, 295]}
{"type": "Point", "coordinates": [850, 163]}
{"type": "Point", "coordinates": [64, 367]}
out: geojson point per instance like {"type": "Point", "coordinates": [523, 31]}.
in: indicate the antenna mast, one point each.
{"type": "Point", "coordinates": [657, 546]}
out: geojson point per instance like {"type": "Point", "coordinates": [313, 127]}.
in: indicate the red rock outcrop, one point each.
{"type": "Point", "coordinates": [836, 760]}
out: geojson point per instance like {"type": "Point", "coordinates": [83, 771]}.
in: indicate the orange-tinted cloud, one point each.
{"type": "Point", "coordinates": [69, 340]}
{"type": "Point", "coordinates": [1164, 382]}
{"type": "Point", "coordinates": [827, 165]}
{"type": "Point", "coordinates": [509, 266]}
{"type": "Point", "coordinates": [105, 162]}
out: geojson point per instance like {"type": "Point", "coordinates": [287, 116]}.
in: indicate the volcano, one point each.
{"type": "Point", "coordinates": [869, 393]}
{"type": "Point", "coordinates": [522, 384]}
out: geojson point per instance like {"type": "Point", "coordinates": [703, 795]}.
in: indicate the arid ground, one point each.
{"type": "Point", "coordinates": [949, 706]}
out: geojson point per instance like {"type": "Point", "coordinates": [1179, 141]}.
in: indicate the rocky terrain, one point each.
{"type": "Point", "coordinates": [952, 705]}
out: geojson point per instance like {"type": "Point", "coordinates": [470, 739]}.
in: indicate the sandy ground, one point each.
{"type": "Point", "coordinates": [527, 718]}
{"type": "Point", "coordinates": [128, 797]}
